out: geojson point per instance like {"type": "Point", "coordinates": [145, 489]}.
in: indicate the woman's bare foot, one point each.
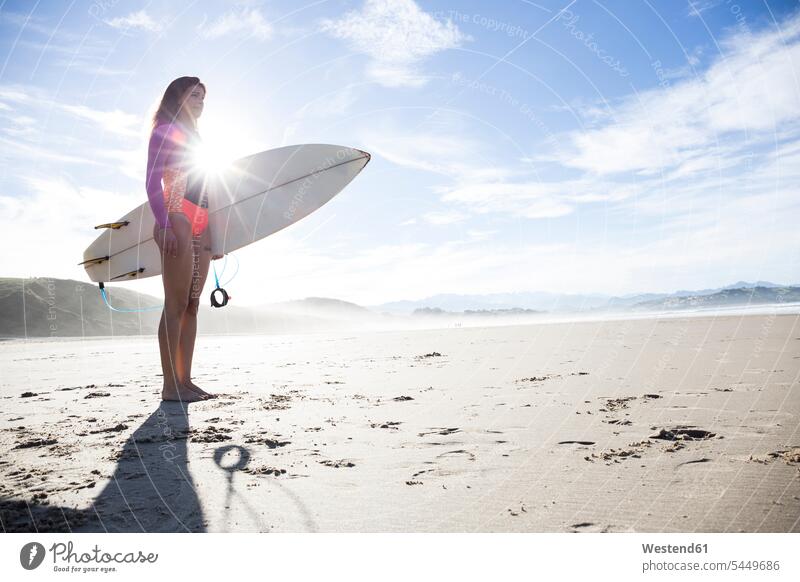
{"type": "Point", "coordinates": [192, 386]}
{"type": "Point", "coordinates": [180, 393]}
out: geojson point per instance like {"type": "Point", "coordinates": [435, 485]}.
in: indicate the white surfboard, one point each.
{"type": "Point", "coordinates": [255, 197]}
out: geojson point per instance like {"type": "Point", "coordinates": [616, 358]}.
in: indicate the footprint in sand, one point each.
{"type": "Point", "coordinates": [459, 452]}
{"type": "Point", "coordinates": [454, 462]}
{"type": "Point", "coordinates": [683, 433]}
{"type": "Point", "coordinates": [338, 463]}
{"type": "Point", "coordinates": [394, 425]}
{"type": "Point", "coordinates": [265, 470]}
{"type": "Point", "coordinates": [119, 427]}
{"type": "Point", "coordinates": [212, 434]}
{"type": "Point", "coordinates": [615, 404]}
{"type": "Point", "coordinates": [695, 461]}
{"type": "Point", "coordinates": [429, 355]}
{"type": "Point", "coordinates": [260, 440]}
{"type": "Point", "coordinates": [36, 443]}
{"type": "Point", "coordinates": [439, 430]}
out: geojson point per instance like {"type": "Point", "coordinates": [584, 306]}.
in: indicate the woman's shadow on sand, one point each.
{"type": "Point", "coordinates": [151, 489]}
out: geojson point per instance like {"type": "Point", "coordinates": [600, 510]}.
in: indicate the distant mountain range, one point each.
{"type": "Point", "coordinates": [43, 307]}
{"type": "Point", "coordinates": [538, 300]}
{"type": "Point", "coordinates": [571, 303]}
{"type": "Point", "coordinates": [726, 298]}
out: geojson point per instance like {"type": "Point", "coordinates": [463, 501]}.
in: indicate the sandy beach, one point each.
{"type": "Point", "coordinates": [649, 425]}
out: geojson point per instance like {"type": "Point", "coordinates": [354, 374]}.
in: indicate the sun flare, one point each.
{"type": "Point", "coordinates": [212, 156]}
{"type": "Point", "coordinates": [222, 143]}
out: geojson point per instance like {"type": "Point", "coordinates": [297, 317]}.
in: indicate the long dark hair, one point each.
{"type": "Point", "coordinates": [169, 110]}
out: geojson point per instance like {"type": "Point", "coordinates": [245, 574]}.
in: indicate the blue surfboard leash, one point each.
{"type": "Point", "coordinates": [214, 302]}
{"type": "Point", "coordinates": [118, 310]}
{"type": "Point", "coordinates": [219, 289]}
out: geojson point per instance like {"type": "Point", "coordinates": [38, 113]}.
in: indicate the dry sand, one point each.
{"type": "Point", "coordinates": [516, 429]}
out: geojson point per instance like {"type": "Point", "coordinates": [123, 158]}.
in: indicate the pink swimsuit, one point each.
{"type": "Point", "coordinates": [183, 191]}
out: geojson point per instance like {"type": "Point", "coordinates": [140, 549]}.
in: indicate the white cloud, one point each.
{"type": "Point", "coordinates": [743, 97]}
{"type": "Point", "coordinates": [140, 20]}
{"type": "Point", "coordinates": [480, 235]}
{"type": "Point", "coordinates": [439, 218]}
{"type": "Point", "coordinates": [333, 103]}
{"type": "Point", "coordinates": [454, 156]}
{"type": "Point", "coordinates": [33, 98]}
{"type": "Point", "coordinates": [529, 200]}
{"type": "Point", "coordinates": [480, 263]}
{"type": "Point", "coordinates": [397, 35]}
{"type": "Point", "coordinates": [53, 219]}
{"type": "Point", "coordinates": [116, 121]}
{"type": "Point", "coordinates": [130, 162]}
{"type": "Point", "coordinates": [692, 184]}
{"type": "Point", "coordinates": [17, 94]}
{"type": "Point", "coordinates": [22, 125]}
{"type": "Point", "coordinates": [480, 181]}
{"type": "Point", "coordinates": [35, 152]}
{"type": "Point", "coordinates": [244, 22]}
{"type": "Point", "coordinates": [80, 52]}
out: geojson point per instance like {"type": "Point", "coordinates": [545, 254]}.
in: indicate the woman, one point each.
{"type": "Point", "coordinates": [181, 231]}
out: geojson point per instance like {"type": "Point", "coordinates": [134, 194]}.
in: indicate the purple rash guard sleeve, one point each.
{"type": "Point", "coordinates": [162, 144]}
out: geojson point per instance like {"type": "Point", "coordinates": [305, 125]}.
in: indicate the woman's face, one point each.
{"type": "Point", "coordinates": [193, 102]}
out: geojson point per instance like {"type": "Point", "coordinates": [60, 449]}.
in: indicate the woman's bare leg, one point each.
{"type": "Point", "coordinates": [200, 263]}
{"type": "Point", "coordinates": [176, 275]}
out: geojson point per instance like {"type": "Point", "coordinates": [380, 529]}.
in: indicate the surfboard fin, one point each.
{"type": "Point", "coordinates": [113, 225]}
{"type": "Point", "coordinates": [96, 261]}
{"type": "Point", "coordinates": [130, 274]}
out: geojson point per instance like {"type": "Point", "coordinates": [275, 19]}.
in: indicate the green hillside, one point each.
{"type": "Point", "coordinates": [44, 307]}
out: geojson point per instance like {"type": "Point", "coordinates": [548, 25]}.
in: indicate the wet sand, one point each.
{"type": "Point", "coordinates": [671, 425]}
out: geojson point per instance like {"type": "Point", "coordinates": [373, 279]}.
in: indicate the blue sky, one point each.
{"type": "Point", "coordinates": [583, 146]}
